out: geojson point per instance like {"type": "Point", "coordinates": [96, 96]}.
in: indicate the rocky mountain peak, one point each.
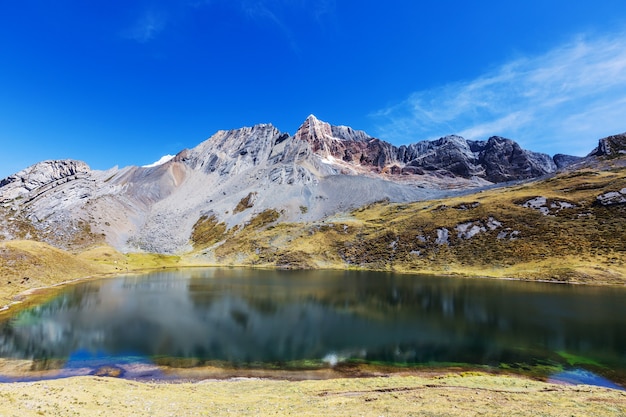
{"type": "Point", "coordinates": [317, 133]}
{"type": "Point", "coordinates": [504, 160]}
{"type": "Point", "coordinates": [42, 174]}
{"type": "Point", "coordinates": [451, 154]}
{"type": "Point", "coordinates": [343, 144]}
{"type": "Point", "coordinates": [234, 149]}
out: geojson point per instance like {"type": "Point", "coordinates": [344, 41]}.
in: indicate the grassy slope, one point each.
{"type": "Point", "coordinates": [26, 265]}
{"type": "Point", "coordinates": [585, 243]}
{"type": "Point", "coordinates": [447, 395]}
{"type": "Point", "coordinates": [29, 264]}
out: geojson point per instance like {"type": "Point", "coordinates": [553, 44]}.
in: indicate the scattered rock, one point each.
{"type": "Point", "coordinates": [560, 205]}
{"type": "Point", "coordinates": [546, 207]}
{"type": "Point", "coordinates": [508, 233]}
{"type": "Point", "coordinates": [493, 224]}
{"type": "Point", "coordinates": [109, 371]}
{"type": "Point", "coordinates": [469, 230]}
{"type": "Point", "coordinates": [422, 238]}
{"type": "Point", "coordinates": [536, 203]}
{"type": "Point", "coordinates": [467, 206]}
{"type": "Point", "coordinates": [442, 236]}
{"type": "Point", "coordinates": [612, 198]}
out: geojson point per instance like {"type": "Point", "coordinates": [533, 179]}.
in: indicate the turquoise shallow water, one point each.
{"type": "Point", "coordinates": [251, 319]}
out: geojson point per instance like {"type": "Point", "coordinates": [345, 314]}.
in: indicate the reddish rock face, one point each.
{"type": "Point", "coordinates": [345, 144]}
{"type": "Point", "coordinates": [495, 160]}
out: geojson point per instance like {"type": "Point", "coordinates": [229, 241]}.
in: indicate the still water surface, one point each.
{"type": "Point", "coordinates": [294, 319]}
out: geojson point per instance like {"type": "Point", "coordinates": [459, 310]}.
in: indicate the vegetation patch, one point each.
{"type": "Point", "coordinates": [245, 203]}
{"type": "Point", "coordinates": [574, 360]}
{"type": "Point", "coordinates": [207, 231]}
{"type": "Point", "coordinates": [263, 219]}
{"type": "Point", "coordinates": [293, 260]}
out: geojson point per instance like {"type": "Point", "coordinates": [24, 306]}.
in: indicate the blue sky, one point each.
{"type": "Point", "coordinates": [123, 83]}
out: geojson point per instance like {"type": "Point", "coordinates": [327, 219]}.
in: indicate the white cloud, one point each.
{"type": "Point", "coordinates": [561, 101]}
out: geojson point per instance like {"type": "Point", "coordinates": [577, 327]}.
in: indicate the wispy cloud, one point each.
{"type": "Point", "coordinates": [147, 26]}
{"type": "Point", "coordinates": [276, 11]}
{"type": "Point", "coordinates": [560, 101]}
{"type": "Point", "coordinates": [266, 10]}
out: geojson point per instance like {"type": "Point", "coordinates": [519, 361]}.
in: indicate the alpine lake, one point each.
{"type": "Point", "coordinates": [226, 322]}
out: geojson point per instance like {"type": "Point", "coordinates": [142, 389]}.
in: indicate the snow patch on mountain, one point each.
{"type": "Point", "coordinates": [164, 159]}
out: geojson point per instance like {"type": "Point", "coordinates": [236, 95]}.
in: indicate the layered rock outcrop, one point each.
{"type": "Point", "coordinates": [45, 173]}
{"type": "Point", "coordinates": [611, 146]}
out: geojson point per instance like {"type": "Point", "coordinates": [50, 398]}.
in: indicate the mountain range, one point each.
{"type": "Point", "coordinates": [237, 175]}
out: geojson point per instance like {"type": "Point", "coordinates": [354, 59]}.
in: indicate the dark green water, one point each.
{"type": "Point", "coordinates": [313, 319]}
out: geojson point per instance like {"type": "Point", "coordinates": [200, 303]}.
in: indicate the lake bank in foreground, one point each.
{"type": "Point", "coordinates": [466, 394]}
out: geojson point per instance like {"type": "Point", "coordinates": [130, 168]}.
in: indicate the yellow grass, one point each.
{"type": "Point", "coordinates": [582, 244]}
{"type": "Point", "coordinates": [446, 395]}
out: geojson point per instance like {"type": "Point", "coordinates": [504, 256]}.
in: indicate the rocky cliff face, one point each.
{"type": "Point", "coordinates": [495, 160]}
{"type": "Point", "coordinates": [504, 160]}
{"type": "Point", "coordinates": [611, 146]}
{"type": "Point", "coordinates": [42, 174]}
{"type": "Point", "coordinates": [450, 154]}
{"type": "Point", "coordinates": [563, 161]}
{"type": "Point", "coordinates": [240, 175]}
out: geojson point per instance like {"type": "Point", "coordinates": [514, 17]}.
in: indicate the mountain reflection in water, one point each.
{"type": "Point", "coordinates": [252, 318]}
